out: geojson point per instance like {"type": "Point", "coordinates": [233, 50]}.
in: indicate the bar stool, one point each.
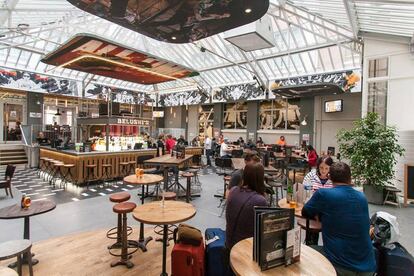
{"type": "Point", "coordinates": [106, 172]}
{"type": "Point", "coordinates": [56, 172]}
{"type": "Point", "coordinates": [132, 166]}
{"type": "Point", "coordinates": [17, 248]}
{"type": "Point", "coordinates": [67, 175]}
{"type": "Point", "coordinates": [159, 229]}
{"type": "Point", "coordinates": [277, 187]}
{"type": "Point", "coordinates": [42, 161]}
{"type": "Point", "coordinates": [90, 173]}
{"type": "Point", "coordinates": [47, 167]}
{"type": "Point", "coordinates": [115, 232]}
{"type": "Point", "coordinates": [312, 228]}
{"type": "Point", "coordinates": [189, 176]}
{"type": "Point", "coordinates": [196, 179]}
{"type": "Point", "coordinates": [123, 168]}
{"type": "Point", "coordinates": [123, 209]}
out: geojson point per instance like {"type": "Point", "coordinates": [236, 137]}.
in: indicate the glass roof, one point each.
{"type": "Point", "coordinates": [311, 36]}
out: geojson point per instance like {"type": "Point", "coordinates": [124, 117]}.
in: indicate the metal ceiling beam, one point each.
{"type": "Point", "coordinates": [352, 17]}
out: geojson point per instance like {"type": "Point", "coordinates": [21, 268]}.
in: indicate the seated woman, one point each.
{"type": "Point", "coordinates": [319, 178]}
{"type": "Point", "coordinates": [259, 142]}
{"type": "Point", "coordinates": [240, 203]}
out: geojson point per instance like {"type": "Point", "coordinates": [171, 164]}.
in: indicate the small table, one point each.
{"type": "Point", "coordinates": [16, 211]}
{"type": "Point", "coordinates": [144, 180]}
{"type": "Point", "coordinates": [284, 204]}
{"type": "Point", "coordinates": [311, 262]}
{"type": "Point", "coordinates": [5, 271]}
{"type": "Point", "coordinates": [167, 161]}
{"type": "Point", "coordinates": [172, 212]}
{"type": "Point", "coordinates": [16, 248]}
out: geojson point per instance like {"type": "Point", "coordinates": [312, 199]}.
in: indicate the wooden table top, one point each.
{"type": "Point", "coordinates": [12, 248]}
{"type": "Point", "coordinates": [168, 160]}
{"type": "Point", "coordinates": [36, 208]}
{"type": "Point", "coordinates": [311, 262]}
{"type": "Point", "coordinates": [298, 209]}
{"type": "Point", "coordinates": [146, 179]}
{"type": "Point", "coordinates": [172, 212]}
{"type": "Point", "coordinates": [5, 271]}
{"type": "Point", "coordinates": [283, 155]}
{"type": "Point", "coordinates": [238, 164]}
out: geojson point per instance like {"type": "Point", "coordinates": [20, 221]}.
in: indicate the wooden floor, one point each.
{"type": "Point", "coordinates": [86, 254]}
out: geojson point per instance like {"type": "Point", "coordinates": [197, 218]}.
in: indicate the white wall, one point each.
{"type": "Point", "coordinates": [192, 122]}
{"type": "Point", "coordinates": [400, 98]}
{"type": "Point", "coordinates": [327, 125]}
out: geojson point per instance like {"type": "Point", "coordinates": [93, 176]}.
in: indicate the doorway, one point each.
{"type": "Point", "coordinates": [12, 119]}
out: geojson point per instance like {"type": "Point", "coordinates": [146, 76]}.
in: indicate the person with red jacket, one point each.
{"type": "Point", "coordinates": [169, 143]}
{"type": "Point", "coordinates": [312, 156]}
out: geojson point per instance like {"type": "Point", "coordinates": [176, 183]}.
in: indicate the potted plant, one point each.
{"type": "Point", "coordinates": [372, 149]}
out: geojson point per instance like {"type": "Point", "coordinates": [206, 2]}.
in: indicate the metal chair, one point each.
{"type": "Point", "coordinates": [6, 184]}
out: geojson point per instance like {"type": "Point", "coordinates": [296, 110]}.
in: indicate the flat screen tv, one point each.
{"type": "Point", "coordinates": [334, 106]}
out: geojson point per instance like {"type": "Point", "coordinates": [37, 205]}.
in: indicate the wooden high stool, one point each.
{"type": "Point", "coordinates": [106, 172]}
{"type": "Point", "coordinates": [123, 209]}
{"type": "Point", "coordinates": [195, 170]}
{"type": "Point", "coordinates": [158, 229]}
{"type": "Point", "coordinates": [42, 165]}
{"type": "Point", "coordinates": [312, 228]}
{"type": "Point", "coordinates": [115, 232]}
{"type": "Point", "coordinates": [123, 168]}
{"type": "Point", "coordinates": [56, 172]}
{"type": "Point", "coordinates": [90, 174]}
{"type": "Point", "coordinates": [67, 175]}
{"type": "Point", "coordinates": [47, 171]}
{"type": "Point", "coordinates": [132, 166]}
{"type": "Point", "coordinates": [189, 176]}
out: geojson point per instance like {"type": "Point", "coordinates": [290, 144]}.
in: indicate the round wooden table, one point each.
{"type": "Point", "coordinates": [170, 213]}
{"type": "Point", "coordinates": [5, 271]}
{"type": "Point", "coordinates": [311, 262]}
{"type": "Point", "coordinates": [16, 211]}
{"type": "Point", "coordinates": [298, 209]}
{"type": "Point", "coordinates": [144, 180]}
{"type": "Point", "coordinates": [16, 248]}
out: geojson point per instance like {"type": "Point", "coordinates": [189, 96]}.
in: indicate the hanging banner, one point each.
{"type": "Point", "coordinates": [183, 98]}
{"type": "Point", "coordinates": [349, 81]}
{"type": "Point", "coordinates": [101, 92]}
{"type": "Point", "coordinates": [241, 92]}
{"type": "Point", "coordinates": [28, 81]}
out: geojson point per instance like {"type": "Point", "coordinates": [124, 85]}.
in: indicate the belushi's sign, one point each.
{"type": "Point", "coordinates": [29, 81]}
{"type": "Point", "coordinates": [131, 121]}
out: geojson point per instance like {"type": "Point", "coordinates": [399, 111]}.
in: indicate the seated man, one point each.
{"type": "Point", "coordinates": [225, 149]}
{"type": "Point", "coordinates": [343, 212]}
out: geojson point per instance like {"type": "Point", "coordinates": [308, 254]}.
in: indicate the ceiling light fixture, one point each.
{"type": "Point", "coordinates": [248, 10]}
{"type": "Point", "coordinates": [58, 113]}
{"type": "Point", "coordinates": [173, 38]}
{"type": "Point", "coordinates": [304, 122]}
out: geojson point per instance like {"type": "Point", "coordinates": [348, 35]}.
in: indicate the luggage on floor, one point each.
{"type": "Point", "coordinates": [216, 252]}
{"type": "Point", "coordinates": [394, 260]}
{"type": "Point", "coordinates": [187, 260]}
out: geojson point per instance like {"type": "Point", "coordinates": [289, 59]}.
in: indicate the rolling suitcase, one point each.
{"type": "Point", "coordinates": [216, 259]}
{"type": "Point", "coordinates": [187, 260]}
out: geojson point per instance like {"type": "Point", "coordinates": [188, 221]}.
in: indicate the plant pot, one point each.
{"type": "Point", "coordinates": [374, 195]}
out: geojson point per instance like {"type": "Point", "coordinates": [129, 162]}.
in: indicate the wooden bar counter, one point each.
{"type": "Point", "coordinates": [81, 159]}
{"type": "Point", "coordinates": [194, 150]}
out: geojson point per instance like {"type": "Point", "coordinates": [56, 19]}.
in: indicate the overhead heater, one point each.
{"type": "Point", "coordinates": [254, 36]}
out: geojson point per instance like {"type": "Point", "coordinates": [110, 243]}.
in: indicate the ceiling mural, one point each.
{"type": "Point", "coordinates": [241, 92]}
{"type": "Point", "coordinates": [349, 81]}
{"type": "Point", "coordinates": [183, 98]}
{"type": "Point", "coordinates": [101, 57]}
{"type": "Point", "coordinates": [29, 81]}
{"type": "Point", "coordinates": [176, 21]}
{"type": "Point", "coordinates": [101, 92]}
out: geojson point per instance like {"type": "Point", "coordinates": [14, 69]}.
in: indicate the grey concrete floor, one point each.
{"type": "Point", "coordinates": [96, 213]}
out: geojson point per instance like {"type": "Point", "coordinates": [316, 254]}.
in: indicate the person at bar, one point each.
{"type": "Point", "coordinates": [343, 212]}
{"type": "Point", "coordinates": [182, 141]}
{"type": "Point", "coordinates": [41, 139]}
{"type": "Point", "coordinates": [160, 145]}
{"type": "Point", "coordinates": [282, 141]}
{"type": "Point", "coordinates": [241, 202]}
{"type": "Point", "coordinates": [207, 147]}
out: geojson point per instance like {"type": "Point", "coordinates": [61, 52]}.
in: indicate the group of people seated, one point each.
{"type": "Point", "coordinates": [342, 210]}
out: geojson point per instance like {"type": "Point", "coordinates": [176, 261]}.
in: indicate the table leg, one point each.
{"type": "Point", "coordinates": [165, 178]}
{"type": "Point", "coordinates": [164, 251]}
{"type": "Point", "coordinates": [307, 242]}
{"type": "Point", "coordinates": [142, 241]}
{"type": "Point", "coordinates": [188, 190]}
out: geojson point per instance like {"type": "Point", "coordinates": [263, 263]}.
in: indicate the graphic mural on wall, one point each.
{"type": "Point", "coordinates": [241, 92]}
{"type": "Point", "coordinates": [349, 81]}
{"type": "Point", "coordinates": [97, 91]}
{"type": "Point", "coordinates": [28, 81]}
{"type": "Point", "coordinates": [183, 98]}
{"type": "Point", "coordinates": [176, 21]}
{"type": "Point", "coordinates": [106, 58]}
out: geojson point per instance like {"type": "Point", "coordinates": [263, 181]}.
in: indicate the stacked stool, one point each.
{"type": "Point", "coordinates": [115, 232]}
{"type": "Point", "coordinates": [122, 209]}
